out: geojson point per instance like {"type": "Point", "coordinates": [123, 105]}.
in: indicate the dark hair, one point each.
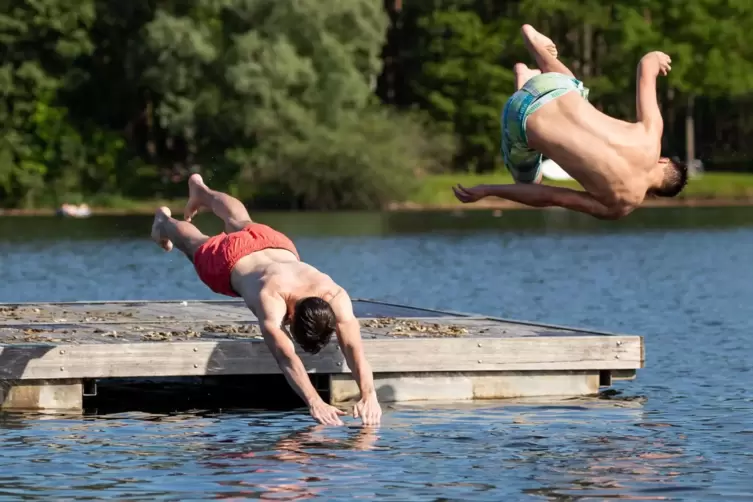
{"type": "Point", "coordinates": [675, 178]}
{"type": "Point", "coordinates": [313, 324]}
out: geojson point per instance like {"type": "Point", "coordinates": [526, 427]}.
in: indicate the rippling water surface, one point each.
{"type": "Point", "coordinates": [681, 431]}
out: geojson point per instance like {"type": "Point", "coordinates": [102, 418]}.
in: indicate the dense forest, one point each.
{"type": "Point", "coordinates": [330, 104]}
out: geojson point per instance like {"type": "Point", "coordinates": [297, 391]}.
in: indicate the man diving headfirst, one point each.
{"type": "Point", "coordinates": [261, 265]}
{"type": "Point", "coordinates": [618, 163]}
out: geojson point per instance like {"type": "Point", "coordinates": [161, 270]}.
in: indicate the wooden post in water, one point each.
{"type": "Point", "coordinates": [41, 395]}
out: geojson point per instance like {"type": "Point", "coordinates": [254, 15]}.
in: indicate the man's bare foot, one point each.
{"type": "Point", "coordinates": [160, 216]}
{"type": "Point", "coordinates": [196, 190]}
{"type": "Point", "coordinates": [523, 74]}
{"type": "Point", "coordinates": [536, 40]}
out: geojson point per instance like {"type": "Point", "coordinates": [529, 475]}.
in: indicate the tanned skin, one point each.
{"type": "Point", "coordinates": [617, 162]}
{"type": "Point", "coordinates": [271, 282]}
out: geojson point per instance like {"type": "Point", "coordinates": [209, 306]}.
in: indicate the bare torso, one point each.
{"type": "Point", "coordinates": [612, 159]}
{"type": "Point", "coordinates": [277, 272]}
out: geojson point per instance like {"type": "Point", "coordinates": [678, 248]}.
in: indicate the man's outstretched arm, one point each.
{"type": "Point", "coordinates": [536, 195]}
{"type": "Point", "coordinates": [646, 102]}
{"type": "Point", "coordinates": [271, 315]}
{"type": "Point", "coordinates": [349, 334]}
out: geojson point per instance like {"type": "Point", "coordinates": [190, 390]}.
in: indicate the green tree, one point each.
{"type": "Point", "coordinates": [41, 39]}
{"type": "Point", "coordinates": [707, 41]}
{"type": "Point", "coordinates": [463, 83]}
{"type": "Point", "coordinates": [274, 91]}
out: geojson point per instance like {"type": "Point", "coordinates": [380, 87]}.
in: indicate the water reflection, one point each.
{"type": "Point", "coordinates": [581, 449]}
{"type": "Point", "coordinates": [681, 278]}
{"type": "Point", "coordinates": [305, 448]}
{"type": "Point", "coordinates": [613, 469]}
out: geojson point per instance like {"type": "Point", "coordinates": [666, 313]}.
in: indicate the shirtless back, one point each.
{"type": "Point", "coordinates": [614, 161]}
{"type": "Point", "coordinates": [618, 163]}
{"type": "Point", "coordinates": [274, 281]}
{"type": "Point", "coordinates": [279, 273]}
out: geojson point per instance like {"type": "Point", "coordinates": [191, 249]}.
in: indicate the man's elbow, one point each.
{"type": "Point", "coordinates": [614, 212]}
{"type": "Point", "coordinates": [653, 124]}
{"type": "Point", "coordinates": [282, 357]}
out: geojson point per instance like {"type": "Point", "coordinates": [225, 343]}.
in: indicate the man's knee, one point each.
{"type": "Point", "coordinates": [528, 178]}
{"type": "Point", "coordinates": [190, 247]}
{"type": "Point", "coordinates": [536, 181]}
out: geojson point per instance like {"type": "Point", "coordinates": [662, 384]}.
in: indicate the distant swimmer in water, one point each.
{"type": "Point", "coordinates": [261, 265]}
{"type": "Point", "coordinates": [618, 163]}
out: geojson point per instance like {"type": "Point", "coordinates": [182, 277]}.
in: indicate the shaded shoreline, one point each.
{"type": "Point", "coordinates": [507, 205]}
{"type": "Point", "coordinates": [498, 205]}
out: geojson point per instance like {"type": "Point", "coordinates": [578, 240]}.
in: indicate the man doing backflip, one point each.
{"type": "Point", "coordinates": [618, 163]}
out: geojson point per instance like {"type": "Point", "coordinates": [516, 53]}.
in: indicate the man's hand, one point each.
{"type": "Point", "coordinates": [368, 410]}
{"type": "Point", "coordinates": [472, 194]}
{"type": "Point", "coordinates": [349, 334]}
{"type": "Point", "coordinates": [656, 62]}
{"type": "Point", "coordinates": [326, 414]}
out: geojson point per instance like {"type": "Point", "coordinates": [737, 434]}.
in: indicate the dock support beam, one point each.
{"type": "Point", "coordinates": [41, 395]}
{"type": "Point", "coordinates": [437, 386]}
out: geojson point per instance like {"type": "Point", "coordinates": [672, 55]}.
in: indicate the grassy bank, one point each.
{"type": "Point", "coordinates": [104, 205]}
{"type": "Point", "coordinates": [436, 192]}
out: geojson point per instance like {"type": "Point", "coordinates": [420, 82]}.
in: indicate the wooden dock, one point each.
{"type": "Point", "coordinates": [50, 353]}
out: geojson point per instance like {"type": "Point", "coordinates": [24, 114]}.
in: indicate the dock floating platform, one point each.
{"type": "Point", "coordinates": [50, 352]}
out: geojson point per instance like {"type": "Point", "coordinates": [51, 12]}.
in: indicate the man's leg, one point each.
{"type": "Point", "coordinates": [167, 231]}
{"type": "Point", "coordinates": [227, 208]}
{"type": "Point", "coordinates": [523, 74]}
{"type": "Point", "coordinates": [544, 51]}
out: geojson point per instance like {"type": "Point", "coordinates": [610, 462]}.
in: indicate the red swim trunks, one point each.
{"type": "Point", "coordinates": [214, 260]}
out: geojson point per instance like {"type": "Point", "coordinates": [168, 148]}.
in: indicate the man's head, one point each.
{"type": "Point", "coordinates": [312, 323]}
{"type": "Point", "coordinates": [675, 177]}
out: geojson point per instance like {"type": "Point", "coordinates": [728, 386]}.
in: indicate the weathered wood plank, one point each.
{"type": "Point", "coordinates": [623, 374]}
{"type": "Point", "coordinates": [176, 330]}
{"type": "Point", "coordinates": [108, 323]}
{"type": "Point", "coordinates": [193, 310]}
{"type": "Point", "coordinates": [47, 349]}
{"type": "Point", "coordinates": [40, 395]}
{"type": "Point", "coordinates": [382, 318]}
{"type": "Point", "coordinates": [385, 356]}
{"type": "Point", "coordinates": [394, 387]}
{"type": "Point", "coordinates": [172, 321]}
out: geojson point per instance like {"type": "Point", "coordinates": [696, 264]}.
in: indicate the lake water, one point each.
{"type": "Point", "coordinates": [683, 278]}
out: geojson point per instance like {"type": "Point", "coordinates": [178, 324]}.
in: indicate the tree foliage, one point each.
{"type": "Point", "coordinates": [286, 101]}
{"type": "Point", "coordinates": [466, 47]}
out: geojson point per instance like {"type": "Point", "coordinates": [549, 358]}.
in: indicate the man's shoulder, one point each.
{"type": "Point", "coordinates": [286, 278]}
{"type": "Point", "coordinates": [292, 268]}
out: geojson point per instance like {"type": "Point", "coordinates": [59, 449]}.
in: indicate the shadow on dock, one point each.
{"type": "Point", "coordinates": [167, 394]}
{"type": "Point", "coordinates": [215, 390]}
{"type": "Point", "coordinates": [177, 394]}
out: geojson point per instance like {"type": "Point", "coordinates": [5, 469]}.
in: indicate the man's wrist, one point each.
{"type": "Point", "coordinates": [367, 393]}
{"type": "Point", "coordinates": [314, 400]}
